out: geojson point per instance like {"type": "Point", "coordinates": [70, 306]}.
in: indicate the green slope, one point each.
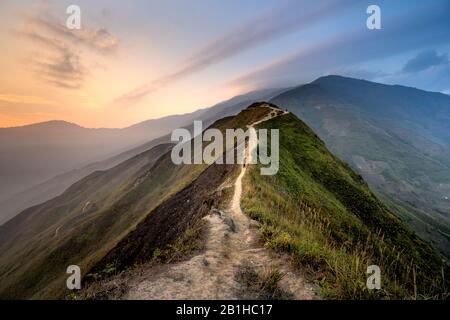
{"type": "Point", "coordinates": [324, 214]}
{"type": "Point", "coordinates": [395, 137]}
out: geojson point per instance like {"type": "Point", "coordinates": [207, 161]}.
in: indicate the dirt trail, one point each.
{"type": "Point", "coordinates": [233, 241]}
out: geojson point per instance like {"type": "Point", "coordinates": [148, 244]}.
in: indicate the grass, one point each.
{"type": "Point", "coordinates": [111, 283]}
{"type": "Point", "coordinates": [262, 284]}
{"type": "Point", "coordinates": [190, 241]}
{"type": "Point", "coordinates": [269, 283]}
{"type": "Point", "coordinates": [323, 214]}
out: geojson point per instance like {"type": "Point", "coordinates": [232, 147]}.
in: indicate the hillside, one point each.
{"type": "Point", "coordinates": [148, 214]}
{"type": "Point", "coordinates": [35, 153]}
{"type": "Point", "coordinates": [396, 137]}
{"type": "Point", "coordinates": [321, 212]}
{"type": "Point", "coordinates": [84, 222]}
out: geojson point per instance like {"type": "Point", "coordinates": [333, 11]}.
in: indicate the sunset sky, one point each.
{"type": "Point", "coordinates": [136, 60]}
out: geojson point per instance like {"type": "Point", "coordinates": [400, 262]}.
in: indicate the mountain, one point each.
{"type": "Point", "coordinates": [56, 185]}
{"type": "Point", "coordinates": [316, 210]}
{"type": "Point", "coordinates": [324, 214]}
{"type": "Point", "coordinates": [397, 138]}
{"type": "Point", "coordinates": [38, 162]}
{"type": "Point", "coordinates": [32, 154]}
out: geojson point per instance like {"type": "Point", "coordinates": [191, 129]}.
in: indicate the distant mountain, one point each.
{"type": "Point", "coordinates": [56, 185]}
{"type": "Point", "coordinates": [82, 222]}
{"type": "Point", "coordinates": [315, 209]}
{"type": "Point", "coordinates": [31, 154]}
{"type": "Point", "coordinates": [397, 138]}
{"type": "Point", "coordinates": [38, 162]}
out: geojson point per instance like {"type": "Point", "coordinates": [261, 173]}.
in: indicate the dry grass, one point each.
{"type": "Point", "coordinates": [260, 284]}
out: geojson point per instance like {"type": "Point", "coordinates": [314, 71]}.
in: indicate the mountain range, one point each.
{"type": "Point", "coordinates": [330, 218]}
{"type": "Point", "coordinates": [114, 220]}
{"type": "Point", "coordinates": [38, 162]}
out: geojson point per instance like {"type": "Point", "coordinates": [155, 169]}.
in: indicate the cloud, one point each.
{"type": "Point", "coordinates": [94, 38]}
{"type": "Point", "coordinates": [64, 71]}
{"type": "Point", "coordinates": [284, 19]}
{"type": "Point", "coordinates": [433, 78]}
{"type": "Point", "coordinates": [424, 60]}
{"type": "Point", "coordinates": [14, 98]}
{"type": "Point", "coordinates": [346, 49]}
{"type": "Point", "coordinates": [57, 63]}
{"type": "Point", "coordinates": [61, 55]}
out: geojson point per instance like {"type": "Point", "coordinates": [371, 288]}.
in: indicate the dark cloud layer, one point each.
{"type": "Point", "coordinates": [404, 33]}
{"type": "Point", "coordinates": [424, 60]}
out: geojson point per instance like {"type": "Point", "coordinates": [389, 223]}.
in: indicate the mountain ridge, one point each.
{"type": "Point", "coordinates": [110, 231]}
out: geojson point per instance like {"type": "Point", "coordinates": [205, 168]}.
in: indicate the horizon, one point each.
{"type": "Point", "coordinates": [205, 108]}
{"type": "Point", "coordinates": [114, 71]}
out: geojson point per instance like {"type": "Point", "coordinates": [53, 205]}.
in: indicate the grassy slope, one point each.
{"type": "Point", "coordinates": [33, 265]}
{"type": "Point", "coordinates": [324, 214]}
{"type": "Point", "coordinates": [407, 169]}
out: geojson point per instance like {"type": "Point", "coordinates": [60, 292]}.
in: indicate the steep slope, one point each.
{"type": "Point", "coordinates": [322, 213]}
{"type": "Point", "coordinates": [84, 222]}
{"type": "Point", "coordinates": [157, 229]}
{"type": "Point", "coordinates": [395, 137]}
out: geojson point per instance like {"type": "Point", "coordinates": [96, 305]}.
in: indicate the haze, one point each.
{"type": "Point", "coordinates": [146, 59]}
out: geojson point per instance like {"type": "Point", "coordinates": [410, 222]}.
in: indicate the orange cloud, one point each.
{"type": "Point", "coordinates": [61, 53]}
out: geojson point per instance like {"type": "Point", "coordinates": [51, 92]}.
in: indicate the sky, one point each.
{"type": "Point", "coordinates": [137, 60]}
